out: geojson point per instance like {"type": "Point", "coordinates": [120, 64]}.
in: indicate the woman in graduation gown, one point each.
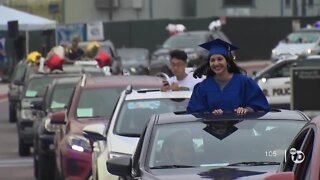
{"type": "Point", "coordinates": [226, 88]}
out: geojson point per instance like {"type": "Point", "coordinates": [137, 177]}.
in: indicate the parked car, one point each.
{"type": "Point", "coordinates": [56, 98]}
{"type": "Point", "coordinates": [108, 47]}
{"type": "Point", "coordinates": [131, 114]}
{"type": "Point", "coordinates": [275, 80]}
{"type": "Point", "coordinates": [16, 84]}
{"type": "Point", "coordinates": [202, 146]}
{"type": "Point", "coordinates": [187, 41]}
{"type": "Point", "coordinates": [93, 101]}
{"type": "Point", "coordinates": [33, 92]}
{"type": "Point", "coordinates": [135, 60]}
{"type": "Point", "coordinates": [305, 41]}
{"type": "Point", "coordinates": [303, 156]}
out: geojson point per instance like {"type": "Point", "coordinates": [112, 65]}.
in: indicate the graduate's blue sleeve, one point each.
{"type": "Point", "coordinates": [254, 97]}
{"type": "Point", "coordinates": [197, 102]}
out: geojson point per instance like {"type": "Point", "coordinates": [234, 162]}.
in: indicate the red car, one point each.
{"type": "Point", "coordinates": [302, 160]}
{"type": "Point", "coordinates": [93, 102]}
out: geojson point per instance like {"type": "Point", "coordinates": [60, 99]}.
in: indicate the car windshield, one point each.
{"type": "Point", "coordinates": [221, 143]}
{"type": "Point", "coordinates": [37, 86]}
{"type": "Point", "coordinates": [303, 37]}
{"type": "Point", "coordinates": [97, 102]}
{"type": "Point", "coordinates": [135, 114]}
{"type": "Point", "coordinates": [131, 55]}
{"type": "Point", "coordinates": [184, 40]}
{"type": "Point", "coordinates": [60, 97]}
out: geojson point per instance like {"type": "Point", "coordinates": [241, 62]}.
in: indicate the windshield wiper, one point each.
{"type": "Point", "coordinates": [254, 163]}
{"type": "Point", "coordinates": [172, 166]}
{"type": "Point", "coordinates": [129, 134]}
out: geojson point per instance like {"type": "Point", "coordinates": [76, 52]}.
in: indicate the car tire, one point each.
{"type": "Point", "coordinates": [46, 167]}
{"type": "Point", "coordinates": [24, 149]}
{"type": "Point", "coordinates": [12, 114]}
{"type": "Point", "coordinates": [35, 165]}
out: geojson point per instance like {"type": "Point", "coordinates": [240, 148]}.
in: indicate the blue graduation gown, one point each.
{"type": "Point", "coordinates": [240, 91]}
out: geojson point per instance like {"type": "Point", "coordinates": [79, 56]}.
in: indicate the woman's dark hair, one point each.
{"type": "Point", "coordinates": [204, 68]}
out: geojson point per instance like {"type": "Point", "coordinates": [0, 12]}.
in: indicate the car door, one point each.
{"type": "Point", "coordinates": [298, 158]}
{"type": "Point", "coordinates": [276, 84]}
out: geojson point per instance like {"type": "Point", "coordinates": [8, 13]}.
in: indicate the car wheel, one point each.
{"type": "Point", "coordinates": [12, 114]}
{"type": "Point", "coordinates": [46, 167]}
{"type": "Point", "coordinates": [24, 149]}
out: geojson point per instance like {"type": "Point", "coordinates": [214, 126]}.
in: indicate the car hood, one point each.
{"type": "Point", "coordinates": [77, 126]}
{"type": "Point", "coordinates": [134, 62]}
{"type": "Point", "coordinates": [230, 172]}
{"type": "Point", "coordinates": [293, 48]}
{"type": "Point", "coordinates": [122, 144]}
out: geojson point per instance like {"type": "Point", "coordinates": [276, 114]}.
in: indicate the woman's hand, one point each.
{"type": "Point", "coordinates": [217, 112]}
{"type": "Point", "coordinates": [241, 110]}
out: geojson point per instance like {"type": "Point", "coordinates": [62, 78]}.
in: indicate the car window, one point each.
{"type": "Point", "coordinates": [303, 37]}
{"type": "Point", "coordinates": [97, 102]}
{"type": "Point", "coordinates": [303, 167]}
{"type": "Point", "coordinates": [212, 143]}
{"type": "Point", "coordinates": [19, 72]}
{"type": "Point", "coordinates": [288, 164]}
{"type": "Point", "coordinates": [281, 71]}
{"type": "Point", "coordinates": [37, 86]}
{"type": "Point", "coordinates": [60, 97]}
{"type": "Point", "coordinates": [135, 114]}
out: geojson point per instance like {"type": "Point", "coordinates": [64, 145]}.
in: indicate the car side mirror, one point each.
{"type": "Point", "coordinates": [58, 118]}
{"type": "Point", "coordinates": [281, 176]}
{"type": "Point", "coordinates": [18, 82]}
{"type": "Point", "coordinates": [95, 132]}
{"type": "Point", "coordinates": [120, 166]}
{"type": "Point", "coordinates": [37, 105]}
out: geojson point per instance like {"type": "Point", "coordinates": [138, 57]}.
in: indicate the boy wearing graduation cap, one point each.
{"type": "Point", "coordinates": [226, 88]}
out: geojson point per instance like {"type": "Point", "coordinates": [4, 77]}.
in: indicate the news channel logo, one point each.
{"type": "Point", "coordinates": [296, 156]}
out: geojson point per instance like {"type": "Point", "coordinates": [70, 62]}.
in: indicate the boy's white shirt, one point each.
{"type": "Point", "coordinates": [189, 81]}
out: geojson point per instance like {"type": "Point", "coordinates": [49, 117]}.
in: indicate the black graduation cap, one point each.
{"type": "Point", "coordinates": [221, 129]}
{"type": "Point", "coordinates": [218, 46]}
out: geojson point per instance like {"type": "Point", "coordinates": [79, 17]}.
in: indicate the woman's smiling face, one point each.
{"type": "Point", "coordinates": [218, 64]}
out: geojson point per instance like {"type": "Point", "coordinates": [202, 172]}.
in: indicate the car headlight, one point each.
{"type": "Point", "coordinates": [79, 143]}
{"type": "Point", "coordinates": [274, 52]}
{"type": "Point", "coordinates": [116, 154]}
{"type": "Point", "coordinates": [309, 51]}
{"type": "Point", "coordinates": [27, 114]}
{"type": "Point", "coordinates": [48, 126]}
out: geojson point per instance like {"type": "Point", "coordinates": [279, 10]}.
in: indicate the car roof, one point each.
{"type": "Point", "coordinates": [67, 80]}
{"type": "Point", "coordinates": [145, 94]}
{"type": "Point", "coordinates": [280, 114]}
{"type": "Point", "coordinates": [120, 81]}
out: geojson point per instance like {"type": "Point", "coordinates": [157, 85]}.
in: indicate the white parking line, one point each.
{"type": "Point", "coordinates": [18, 162]}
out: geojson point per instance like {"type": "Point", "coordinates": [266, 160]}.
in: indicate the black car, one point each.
{"type": "Point", "coordinates": [135, 60]}
{"type": "Point", "coordinates": [33, 93]}
{"type": "Point", "coordinates": [17, 82]}
{"type": "Point", "coordinates": [187, 41]}
{"type": "Point", "coordinates": [202, 146]}
{"type": "Point", "coordinates": [56, 98]}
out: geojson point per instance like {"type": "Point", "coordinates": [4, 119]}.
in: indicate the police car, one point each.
{"type": "Point", "coordinates": [275, 81]}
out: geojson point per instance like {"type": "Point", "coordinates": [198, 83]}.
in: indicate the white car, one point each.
{"type": "Point", "coordinates": [131, 114]}
{"type": "Point", "coordinates": [305, 41]}
{"type": "Point", "coordinates": [275, 80]}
